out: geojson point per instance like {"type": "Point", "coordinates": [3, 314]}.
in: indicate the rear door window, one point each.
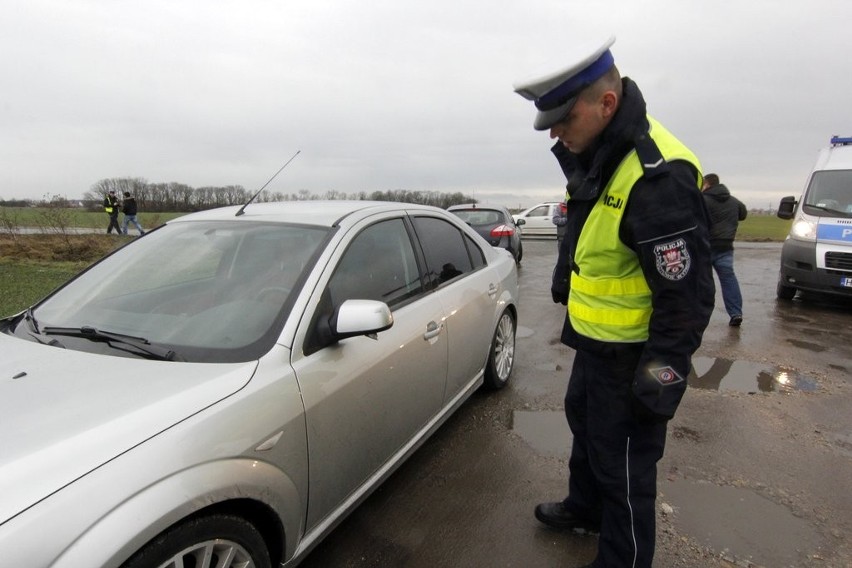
{"type": "Point", "coordinates": [444, 247]}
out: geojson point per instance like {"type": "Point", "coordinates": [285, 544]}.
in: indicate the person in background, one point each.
{"type": "Point", "coordinates": [726, 212]}
{"type": "Point", "coordinates": [634, 270]}
{"type": "Point", "coordinates": [111, 207]}
{"type": "Point", "coordinates": [129, 207]}
{"type": "Point", "coordinates": [559, 219]}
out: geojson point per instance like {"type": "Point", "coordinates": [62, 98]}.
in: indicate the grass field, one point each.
{"type": "Point", "coordinates": [22, 283]}
{"type": "Point", "coordinates": [43, 216]}
{"type": "Point", "coordinates": [31, 266]}
{"type": "Point", "coordinates": [763, 228]}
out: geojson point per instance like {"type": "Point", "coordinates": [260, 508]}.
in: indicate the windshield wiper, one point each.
{"type": "Point", "coordinates": [828, 209]}
{"type": "Point", "coordinates": [28, 315]}
{"type": "Point", "coordinates": [139, 343]}
{"type": "Point", "coordinates": [34, 331]}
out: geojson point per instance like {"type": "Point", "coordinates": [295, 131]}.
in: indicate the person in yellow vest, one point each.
{"type": "Point", "coordinates": [634, 270]}
{"type": "Point", "coordinates": [111, 206]}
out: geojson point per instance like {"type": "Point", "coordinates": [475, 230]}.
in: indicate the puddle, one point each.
{"type": "Point", "coordinates": [739, 521]}
{"type": "Point", "coordinates": [546, 432]}
{"type": "Point", "coordinates": [745, 376]}
{"type": "Point", "coordinates": [815, 347]}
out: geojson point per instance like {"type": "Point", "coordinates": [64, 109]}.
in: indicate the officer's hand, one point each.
{"type": "Point", "coordinates": [644, 414]}
{"type": "Point", "coordinates": [559, 294]}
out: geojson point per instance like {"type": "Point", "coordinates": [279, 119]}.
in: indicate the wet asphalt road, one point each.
{"type": "Point", "coordinates": [758, 464]}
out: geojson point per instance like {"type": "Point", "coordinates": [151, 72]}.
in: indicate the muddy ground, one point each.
{"type": "Point", "coordinates": [758, 464]}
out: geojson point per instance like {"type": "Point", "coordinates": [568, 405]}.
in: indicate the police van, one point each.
{"type": "Point", "coordinates": [817, 254]}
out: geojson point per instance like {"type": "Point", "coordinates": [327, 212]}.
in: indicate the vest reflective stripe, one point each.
{"type": "Point", "coordinates": [108, 209]}
{"type": "Point", "coordinates": [609, 300]}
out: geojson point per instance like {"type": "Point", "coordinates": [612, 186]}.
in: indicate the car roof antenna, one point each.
{"type": "Point", "coordinates": [243, 208]}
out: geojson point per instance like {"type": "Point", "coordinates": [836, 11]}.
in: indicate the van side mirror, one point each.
{"type": "Point", "coordinates": [520, 221]}
{"type": "Point", "coordinates": [787, 207]}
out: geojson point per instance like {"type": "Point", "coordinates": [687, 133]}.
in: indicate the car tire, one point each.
{"type": "Point", "coordinates": [204, 542]}
{"type": "Point", "coordinates": [784, 292]}
{"type": "Point", "coordinates": [501, 357]}
{"type": "Point", "coordinates": [520, 253]}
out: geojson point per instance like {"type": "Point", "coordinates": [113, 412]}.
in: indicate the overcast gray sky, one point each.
{"type": "Point", "coordinates": [393, 94]}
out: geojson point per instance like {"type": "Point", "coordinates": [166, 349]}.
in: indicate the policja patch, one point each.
{"type": "Point", "coordinates": [673, 260]}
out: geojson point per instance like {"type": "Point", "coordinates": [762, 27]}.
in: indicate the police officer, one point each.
{"type": "Point", "coordinates": [111, 206]}
{"type": "Point", "coordinates": [634, 270]}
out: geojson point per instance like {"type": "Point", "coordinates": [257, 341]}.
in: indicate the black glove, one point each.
{"type": "Point", "coordinates": [559, 284]}
{"type": "Point", "coordinates": [644, 414]}
{"type": "Point", "coordinates": [656, 392]}
{"type": "Point", "coordinates": [560, 294]}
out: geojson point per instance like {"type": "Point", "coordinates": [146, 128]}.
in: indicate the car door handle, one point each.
{"type": "Point", "coordinates": [433, 330]}
{"type": "Point", "coordinates": [493, 289]}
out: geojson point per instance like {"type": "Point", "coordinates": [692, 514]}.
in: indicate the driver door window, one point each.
{"type": "Point", "coordinates": [378, 265]}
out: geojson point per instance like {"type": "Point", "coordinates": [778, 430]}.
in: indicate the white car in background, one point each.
{"type": "Point", "coordinates": [538, 220]}
{"type": "Point", "coordinates": [225, 389]}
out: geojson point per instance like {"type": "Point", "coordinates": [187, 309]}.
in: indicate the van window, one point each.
{"type": "Point", "coordinates": [831, 192]}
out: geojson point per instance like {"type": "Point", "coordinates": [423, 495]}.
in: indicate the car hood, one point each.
{"type": "Point", "coordinates": [64, 413]}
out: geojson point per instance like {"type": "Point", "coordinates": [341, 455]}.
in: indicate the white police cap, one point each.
{"type": "Point", "coordinates": [555, 94]}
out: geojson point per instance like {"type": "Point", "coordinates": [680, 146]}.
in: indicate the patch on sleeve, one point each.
{"type": "Point", "coordinates": [673, 260]}
{"type": "Point", "coordinates": [665, 375]}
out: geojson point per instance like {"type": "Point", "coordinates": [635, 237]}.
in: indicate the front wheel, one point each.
{"type": "Point", "coordinates": [220, 541]}
{"type": "Point", "coordinates": [784, 292]}
{"type": "Point", "coordinates": [501, 359]}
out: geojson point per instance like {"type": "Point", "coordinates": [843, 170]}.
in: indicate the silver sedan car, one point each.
{"type": "Point", "coordinates": [225, 389]}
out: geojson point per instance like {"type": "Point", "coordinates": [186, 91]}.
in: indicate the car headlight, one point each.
{"type": "Point", "coordinates": [803, 229]}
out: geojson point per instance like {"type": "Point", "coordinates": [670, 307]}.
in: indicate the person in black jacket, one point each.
{"type": "Point", "coordinates": [726, 212]}
{"type": "Point", "coordinates": [129, 207]}
{"type": "Point", "coordinates": [111, 206]}
{"type": "Point", "coordinates": [634, 270]}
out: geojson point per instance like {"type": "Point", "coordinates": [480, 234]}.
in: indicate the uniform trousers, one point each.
{"type": "Point", "coordinates": [113, 223]}
{"type": "Point", "coordinates": [613, 463]}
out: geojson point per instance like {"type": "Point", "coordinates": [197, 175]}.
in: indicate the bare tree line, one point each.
{"type": "Point", "coordinates": [174, 196]}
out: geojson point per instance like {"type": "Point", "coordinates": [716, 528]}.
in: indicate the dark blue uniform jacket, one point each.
{"type": "Point", "coordinates": [664, 205]}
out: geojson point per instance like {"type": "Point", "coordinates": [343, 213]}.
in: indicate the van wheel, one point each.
{"type": "Point", "coordinates": [784, 292]}
{"type": "Point", "coordinates": [219, 540]}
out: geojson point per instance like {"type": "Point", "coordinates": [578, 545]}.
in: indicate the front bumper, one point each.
{"type": "Point", "coordinates": [803, 266]}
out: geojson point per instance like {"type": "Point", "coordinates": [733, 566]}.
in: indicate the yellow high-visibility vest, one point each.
{"type": "Point", "coordinates": [609, 298]}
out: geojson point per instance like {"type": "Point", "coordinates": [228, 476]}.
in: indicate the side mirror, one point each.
{"type": "Point", "coordinates": [520, 221]}
{"type": "Point", "coordinates": [787, 207]}
{"type": "Point", "coordinates": [361, 317]}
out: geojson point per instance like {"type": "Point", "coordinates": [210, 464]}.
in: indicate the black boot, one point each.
{"type": "Point", "coordinates": [556, 515]}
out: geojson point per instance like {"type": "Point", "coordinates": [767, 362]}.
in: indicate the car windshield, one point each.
{"type": "Point", "coordinates": [830, 191]}
{"type": "Point", "coordinates": [206, 291]}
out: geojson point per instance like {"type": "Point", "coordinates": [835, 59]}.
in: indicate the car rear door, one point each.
{"type": "Point", "coordinates": [468, 290]}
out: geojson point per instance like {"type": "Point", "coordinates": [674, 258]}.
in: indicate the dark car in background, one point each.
{"type": "Point", "coordinates": [494, 223]}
